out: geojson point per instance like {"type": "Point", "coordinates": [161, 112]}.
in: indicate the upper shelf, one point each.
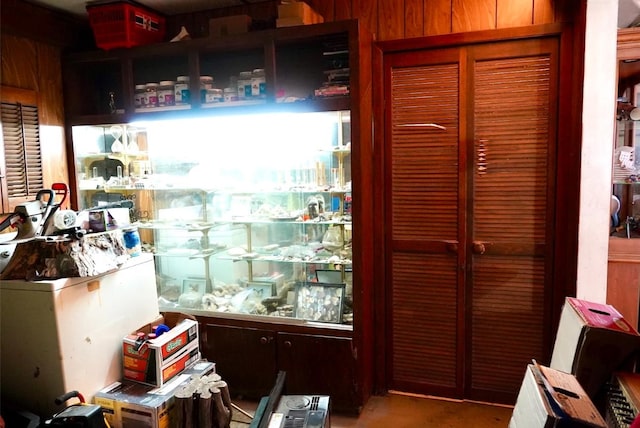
{"type": "Point", "coordinates": [297, 61]}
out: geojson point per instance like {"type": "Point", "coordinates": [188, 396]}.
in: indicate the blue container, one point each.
{"type": "Point", "coordinates": [132, 241]}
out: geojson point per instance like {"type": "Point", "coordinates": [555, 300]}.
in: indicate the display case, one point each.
{"type": "Point", "coordinates": [249, 214]}
{"type": "Point", "coordinates": [257, 208]}
{"type": "Point", "coordinates": [626, 176]}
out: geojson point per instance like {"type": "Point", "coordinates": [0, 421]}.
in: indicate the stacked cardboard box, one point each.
{"type": "Point", "coordinates": [129, 403]}
{"type": "Point", "coordinates": [592, 342]}
{"type": "Point", "coordinates": [156, 361]}
{"type": "Point", "coordinates": [550, 398]}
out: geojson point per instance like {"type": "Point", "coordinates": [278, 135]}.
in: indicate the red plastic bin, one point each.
{"type": "Point", "coordinates": [124, 24]}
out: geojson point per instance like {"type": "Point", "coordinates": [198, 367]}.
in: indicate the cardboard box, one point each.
{"type": "Point", "coordinates": [156, 361]}
{"type": "Point", "coordinates": [593, 340]}
{"type": "Point", "coordinates": [129, 403]}
{"type": "Point", "coordinates": [297, 13]}
{"type": "Point", "coordinates": [551, 398]}
{"type": "Point", "coordinates": [151, 374]}
{"type": "Point", "coordinates": [229, 25]}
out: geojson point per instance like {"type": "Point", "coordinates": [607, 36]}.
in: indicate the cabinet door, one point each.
{"type": "Point", "coordinates": [320, 365]}
{"type": "Point", "coordinates": [244, 357]}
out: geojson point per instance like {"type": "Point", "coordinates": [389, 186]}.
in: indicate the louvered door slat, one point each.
{"type": "Point", "coordinates": [424, 203]}
{"type": "Point", "coordinates": [423, 291]}
{"type": "Point", "coordinates": [425, 157]}
{"type": "Point", "coordinates": [511, 129]}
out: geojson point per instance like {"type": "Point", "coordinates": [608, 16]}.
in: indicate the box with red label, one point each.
{"type": "Point", "coordinates": [593, 340]}
{"type": "Point", "coordinates": [155, 361]}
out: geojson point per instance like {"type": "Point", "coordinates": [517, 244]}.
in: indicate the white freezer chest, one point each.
{"type": "Point", "coordinates": [62, 335]}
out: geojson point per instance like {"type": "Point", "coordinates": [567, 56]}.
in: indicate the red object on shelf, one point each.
{"type": "Point", "coordinates": [125, 24]}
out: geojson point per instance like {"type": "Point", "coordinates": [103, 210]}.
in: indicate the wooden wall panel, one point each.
{"type": "Point", "coordinates": [567, 10]}
{"type": "Point", "coordinates": [19, 62]}
{"type": "Point", "coordinates": [367, 11]}
{"type": "Point", "coordinates": [326, 8]}
{"type": "Point", "coordinates": [26, 19]}
{"type": "Point", "coordinates": [395, 19]}
{"type": "Point", "coordinates": [36, 66]}
{"type": "Point", "coordinates": [50, 84]}
{"type": "Point", "coordinates": [342, 9]}
{"type": "Point", "coordinates": [514, 13]}
{"type": "Point", "coordinates": [54, 163]}
{"type": "Point", "coordinates": [413, 18]}
{"type": "Point", "coordinates": [543, 12]}
{"type": "Point", "coordinates": [391, 19]}
{"type": "Point", "coordinates": [473, 16]}
{"type": "Point", "coordinates": [437, 17]}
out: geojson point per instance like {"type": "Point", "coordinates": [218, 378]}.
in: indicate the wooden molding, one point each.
{"type": "Point", "coordinates": [18, 95]}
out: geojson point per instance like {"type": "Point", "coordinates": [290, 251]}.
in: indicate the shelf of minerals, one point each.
{"type": "Point", "coordinates": [317, 241]}
{"type": "Point", "coordinates": [260, 288]}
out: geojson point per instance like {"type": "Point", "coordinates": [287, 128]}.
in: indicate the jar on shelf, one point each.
{"type": "Point", "coordinates": [244, 85]}
{"type": "Point", "coordinates": [151, 95]}
{"type": "Point", "coordinates": [181, 90]}
{"type": "Point", "coordinates": [258, 84]}
{"type": "Point", "coordinates": [166, 93]}
{"type": "Point", "coordinates": [213, 95]}
{"type": "Point", "coordinates": [206, 82]}
{"type": "Point", "coordinates": [139, 96]}
{"type": "Point", "coordinates": [230, 94]}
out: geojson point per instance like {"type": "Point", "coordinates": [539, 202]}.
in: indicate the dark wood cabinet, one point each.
{"type": "Point", "coordinates": [244, 357]}
{"type": "Point", "coordinates": [319, 364]}
{"type": "Point", "coordinates": [249, 350]}
{"type": "Point", "coordinates": [249, 358]}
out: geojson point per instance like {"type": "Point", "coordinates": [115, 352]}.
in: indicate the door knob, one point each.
{"type": "Point", "coordinates": [479, 248]}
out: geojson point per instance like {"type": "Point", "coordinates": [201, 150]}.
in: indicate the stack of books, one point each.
{"type": "Point", "coordinates": [336, 54]}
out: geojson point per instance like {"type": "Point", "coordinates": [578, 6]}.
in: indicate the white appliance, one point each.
{"type": "Point", "coordinates": [62, 335]}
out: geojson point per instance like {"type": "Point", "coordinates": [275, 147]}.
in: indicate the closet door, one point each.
{"type": "Point", "coordinates": [512, 129]}
{"type": "Point", "coordinates": [426, 195]}
{"type": "Point", "coordinates": [469, 161]}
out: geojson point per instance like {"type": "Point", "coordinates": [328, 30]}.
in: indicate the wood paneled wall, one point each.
{"type": "Point", "coordinates": [31, 49]}
{"type": "Point", "coordinates": [34, 65]}
{"type": "Point", "coordinates": [32, 40]}
{"type": "Point", "coordinates": [401, 19]}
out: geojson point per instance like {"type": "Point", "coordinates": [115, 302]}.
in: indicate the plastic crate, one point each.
{"type": "Point", "coordinates": [124, 25]}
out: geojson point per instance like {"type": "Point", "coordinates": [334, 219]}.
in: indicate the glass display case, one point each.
{"type": "Point", "coordinates": [626, 177]}
{"type": "Point", "coordinates": [246, 215]}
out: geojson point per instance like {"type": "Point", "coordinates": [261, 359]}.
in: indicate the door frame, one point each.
{"type": "Point", "coordinates": [562, 280]}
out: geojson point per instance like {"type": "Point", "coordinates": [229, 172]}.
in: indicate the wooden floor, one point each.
{"type": "Point", "coordinates": [396, 410]}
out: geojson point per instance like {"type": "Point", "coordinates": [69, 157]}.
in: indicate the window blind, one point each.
{"type": "Point", "coordinates": [22, 155]}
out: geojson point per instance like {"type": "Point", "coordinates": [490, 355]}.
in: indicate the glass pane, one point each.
{"type": "Point", "coordinates": [246, 215]}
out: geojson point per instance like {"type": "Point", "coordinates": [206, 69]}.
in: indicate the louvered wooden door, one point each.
{"type": "Point", "coordinates": [469, 167]}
